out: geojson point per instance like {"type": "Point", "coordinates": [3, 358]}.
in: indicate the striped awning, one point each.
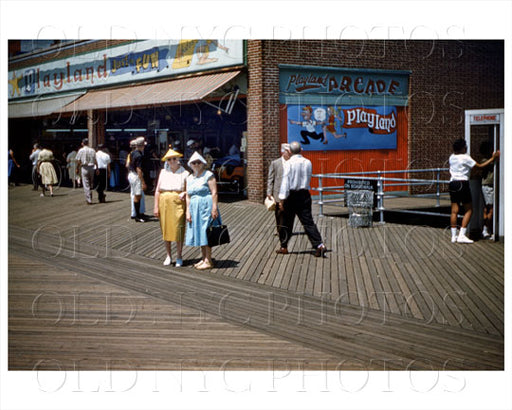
{"type": "Point", "coordinates": [41, 106]}
{"type": "Point", "coordinates": [168, 92]}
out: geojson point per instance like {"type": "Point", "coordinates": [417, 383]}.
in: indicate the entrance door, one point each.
{"type": "Point", "coordinates": [487, 126]}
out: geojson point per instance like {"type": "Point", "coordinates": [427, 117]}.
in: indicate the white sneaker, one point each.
{"type": "Point", "coordinates": [491, 237]}
{"type": "Point", "coordinates": [463, 239]}
{"type": "Point", "coordinates": [485, 233]}
{"type": "Point", "coordinates": [167, 261]}
{"type": "Point", "coordinates": [454, 239]}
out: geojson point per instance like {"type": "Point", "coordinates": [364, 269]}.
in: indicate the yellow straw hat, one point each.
{"type": "Point", "coordinates": [170, 154]}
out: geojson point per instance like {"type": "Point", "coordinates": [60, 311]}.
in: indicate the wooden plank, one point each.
{"type": "Point", "coordinates": [361, 264]}
{"type": "Point", "coordinates": [109, 325]}
{"type": "Point", "coordinates": [255, 311]}
{"type": "Point", "coordinates": [284, 326]}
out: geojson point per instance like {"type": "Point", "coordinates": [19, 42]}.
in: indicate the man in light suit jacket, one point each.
{"type": "Point", "coordinates": [275, 177]}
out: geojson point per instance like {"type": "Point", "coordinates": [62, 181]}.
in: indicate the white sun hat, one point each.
{"type": "Point", "coordinates": [196, 156]}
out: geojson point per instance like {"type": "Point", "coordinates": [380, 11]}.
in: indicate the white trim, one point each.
{"type": "Point", "coordinates": [498, 219]}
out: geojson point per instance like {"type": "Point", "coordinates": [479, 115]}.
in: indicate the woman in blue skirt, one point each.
{"type": "Point", "coordinates": [202, 208]}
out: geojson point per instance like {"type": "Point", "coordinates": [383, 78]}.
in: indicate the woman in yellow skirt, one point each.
{"type": "Point", "coordinates": [170, 205]}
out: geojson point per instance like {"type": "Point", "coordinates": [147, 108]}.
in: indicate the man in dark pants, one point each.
{"type": "Point", "coordinates": [296, 199]}
{"type": "Point", "coordinates": [275, 178]}
{"type": "Point", "coordinates": [103, 160]}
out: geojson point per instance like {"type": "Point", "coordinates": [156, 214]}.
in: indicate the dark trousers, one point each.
{"type": "Point", "coordinates": [35, 177]}
{"type": "Point", "coordinates": [299, 203]}
{"type": "Point", "coordinates": [284, 226]}
{"type": "Point", "coordinates": [101, 184]}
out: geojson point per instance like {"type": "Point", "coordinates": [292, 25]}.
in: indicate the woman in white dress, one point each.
{"type": "Point", "coordinates": [46, 170]}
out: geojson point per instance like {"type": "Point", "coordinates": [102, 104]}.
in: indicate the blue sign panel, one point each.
{"type": "Point", "coordinates": [320, 128]}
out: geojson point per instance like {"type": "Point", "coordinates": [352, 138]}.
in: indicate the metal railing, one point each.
{"type": "Point", "coordinates": [382, 183]}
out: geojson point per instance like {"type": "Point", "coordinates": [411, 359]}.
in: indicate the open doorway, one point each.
{"type": "Point", "coordinates": [484, 131]}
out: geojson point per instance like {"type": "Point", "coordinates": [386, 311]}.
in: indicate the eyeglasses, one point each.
{"type": "Point", "coordinates": [196, 163]}
{"type": "Point", "coordinates": [172, 159]}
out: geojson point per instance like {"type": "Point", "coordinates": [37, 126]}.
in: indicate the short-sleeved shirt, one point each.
{"type": "Point", "coordinates": [135, 160]}
{"type": "Point", "coordinates": [86, 156]}
{"type": "Point", "coordinates": [172, 181]}
{"type": "Point", "coordinates": [103, 159]}
{"type": "Point", "coordinates": [460, 167]}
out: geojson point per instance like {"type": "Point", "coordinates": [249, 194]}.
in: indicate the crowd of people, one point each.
{"type": "Point", "coordinates": [88, 168]}
{"type": "Point", "coordinates": [186, 198]}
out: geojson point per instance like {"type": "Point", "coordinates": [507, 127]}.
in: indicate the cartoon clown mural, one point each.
{"type": "Point", "coordinates": [347, 127]}
{"type": "Point", "coordinates": [310, 125]}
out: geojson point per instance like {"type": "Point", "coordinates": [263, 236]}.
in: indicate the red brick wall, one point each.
{"type": "Point", "coordinates": [447, 77]}
{"type": "Point", "coordinates": [255, 129]}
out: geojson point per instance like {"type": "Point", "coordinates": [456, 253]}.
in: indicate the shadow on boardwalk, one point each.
{"type": "Point", "coordinates": [394, 293]}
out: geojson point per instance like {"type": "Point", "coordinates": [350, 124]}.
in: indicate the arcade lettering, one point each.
{"type": "Point", "coordinates": [364, 117]}
{"type": "Point", "coordinates": [345, 84]}
{"type": "Point", "coordinates": [360, 85]}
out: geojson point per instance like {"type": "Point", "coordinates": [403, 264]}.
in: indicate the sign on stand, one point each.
{"type": "Point", "coordinates": [366, 200]}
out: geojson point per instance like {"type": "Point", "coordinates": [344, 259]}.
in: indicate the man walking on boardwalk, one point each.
{"type": "Point", "coordinates": [103, 175]}
{"type": "Point", "coordinates": [86, 167]}
{"type": "Point", "coordinates": [275, 178]}
{"type": "Point", "coordinates": [295, 198]}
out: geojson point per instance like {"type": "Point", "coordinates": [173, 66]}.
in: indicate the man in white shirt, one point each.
{"type": "Point", "coordinates": [86, 163]}
{"type": "Point", "coordinates": [103, 160]}
{"type": "Point", "coordinates": [34, 156]}
{"type": "Point", "coordinates": [295, 198]}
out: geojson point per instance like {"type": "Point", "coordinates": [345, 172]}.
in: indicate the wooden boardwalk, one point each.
{"type": "Point", "coordinates": [87, 285]}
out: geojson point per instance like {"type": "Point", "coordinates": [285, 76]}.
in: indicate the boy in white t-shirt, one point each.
{"type": "Point", "coordinates": [460, 169]}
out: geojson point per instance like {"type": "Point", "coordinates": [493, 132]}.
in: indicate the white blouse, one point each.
{"type": "Point", "coordinates": [460, 167]}
{"type": "Point", "coordinates": [172, 181]}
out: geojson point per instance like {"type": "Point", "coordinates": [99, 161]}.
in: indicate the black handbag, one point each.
{"type": "Point", "coordinates": [217, 235]}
